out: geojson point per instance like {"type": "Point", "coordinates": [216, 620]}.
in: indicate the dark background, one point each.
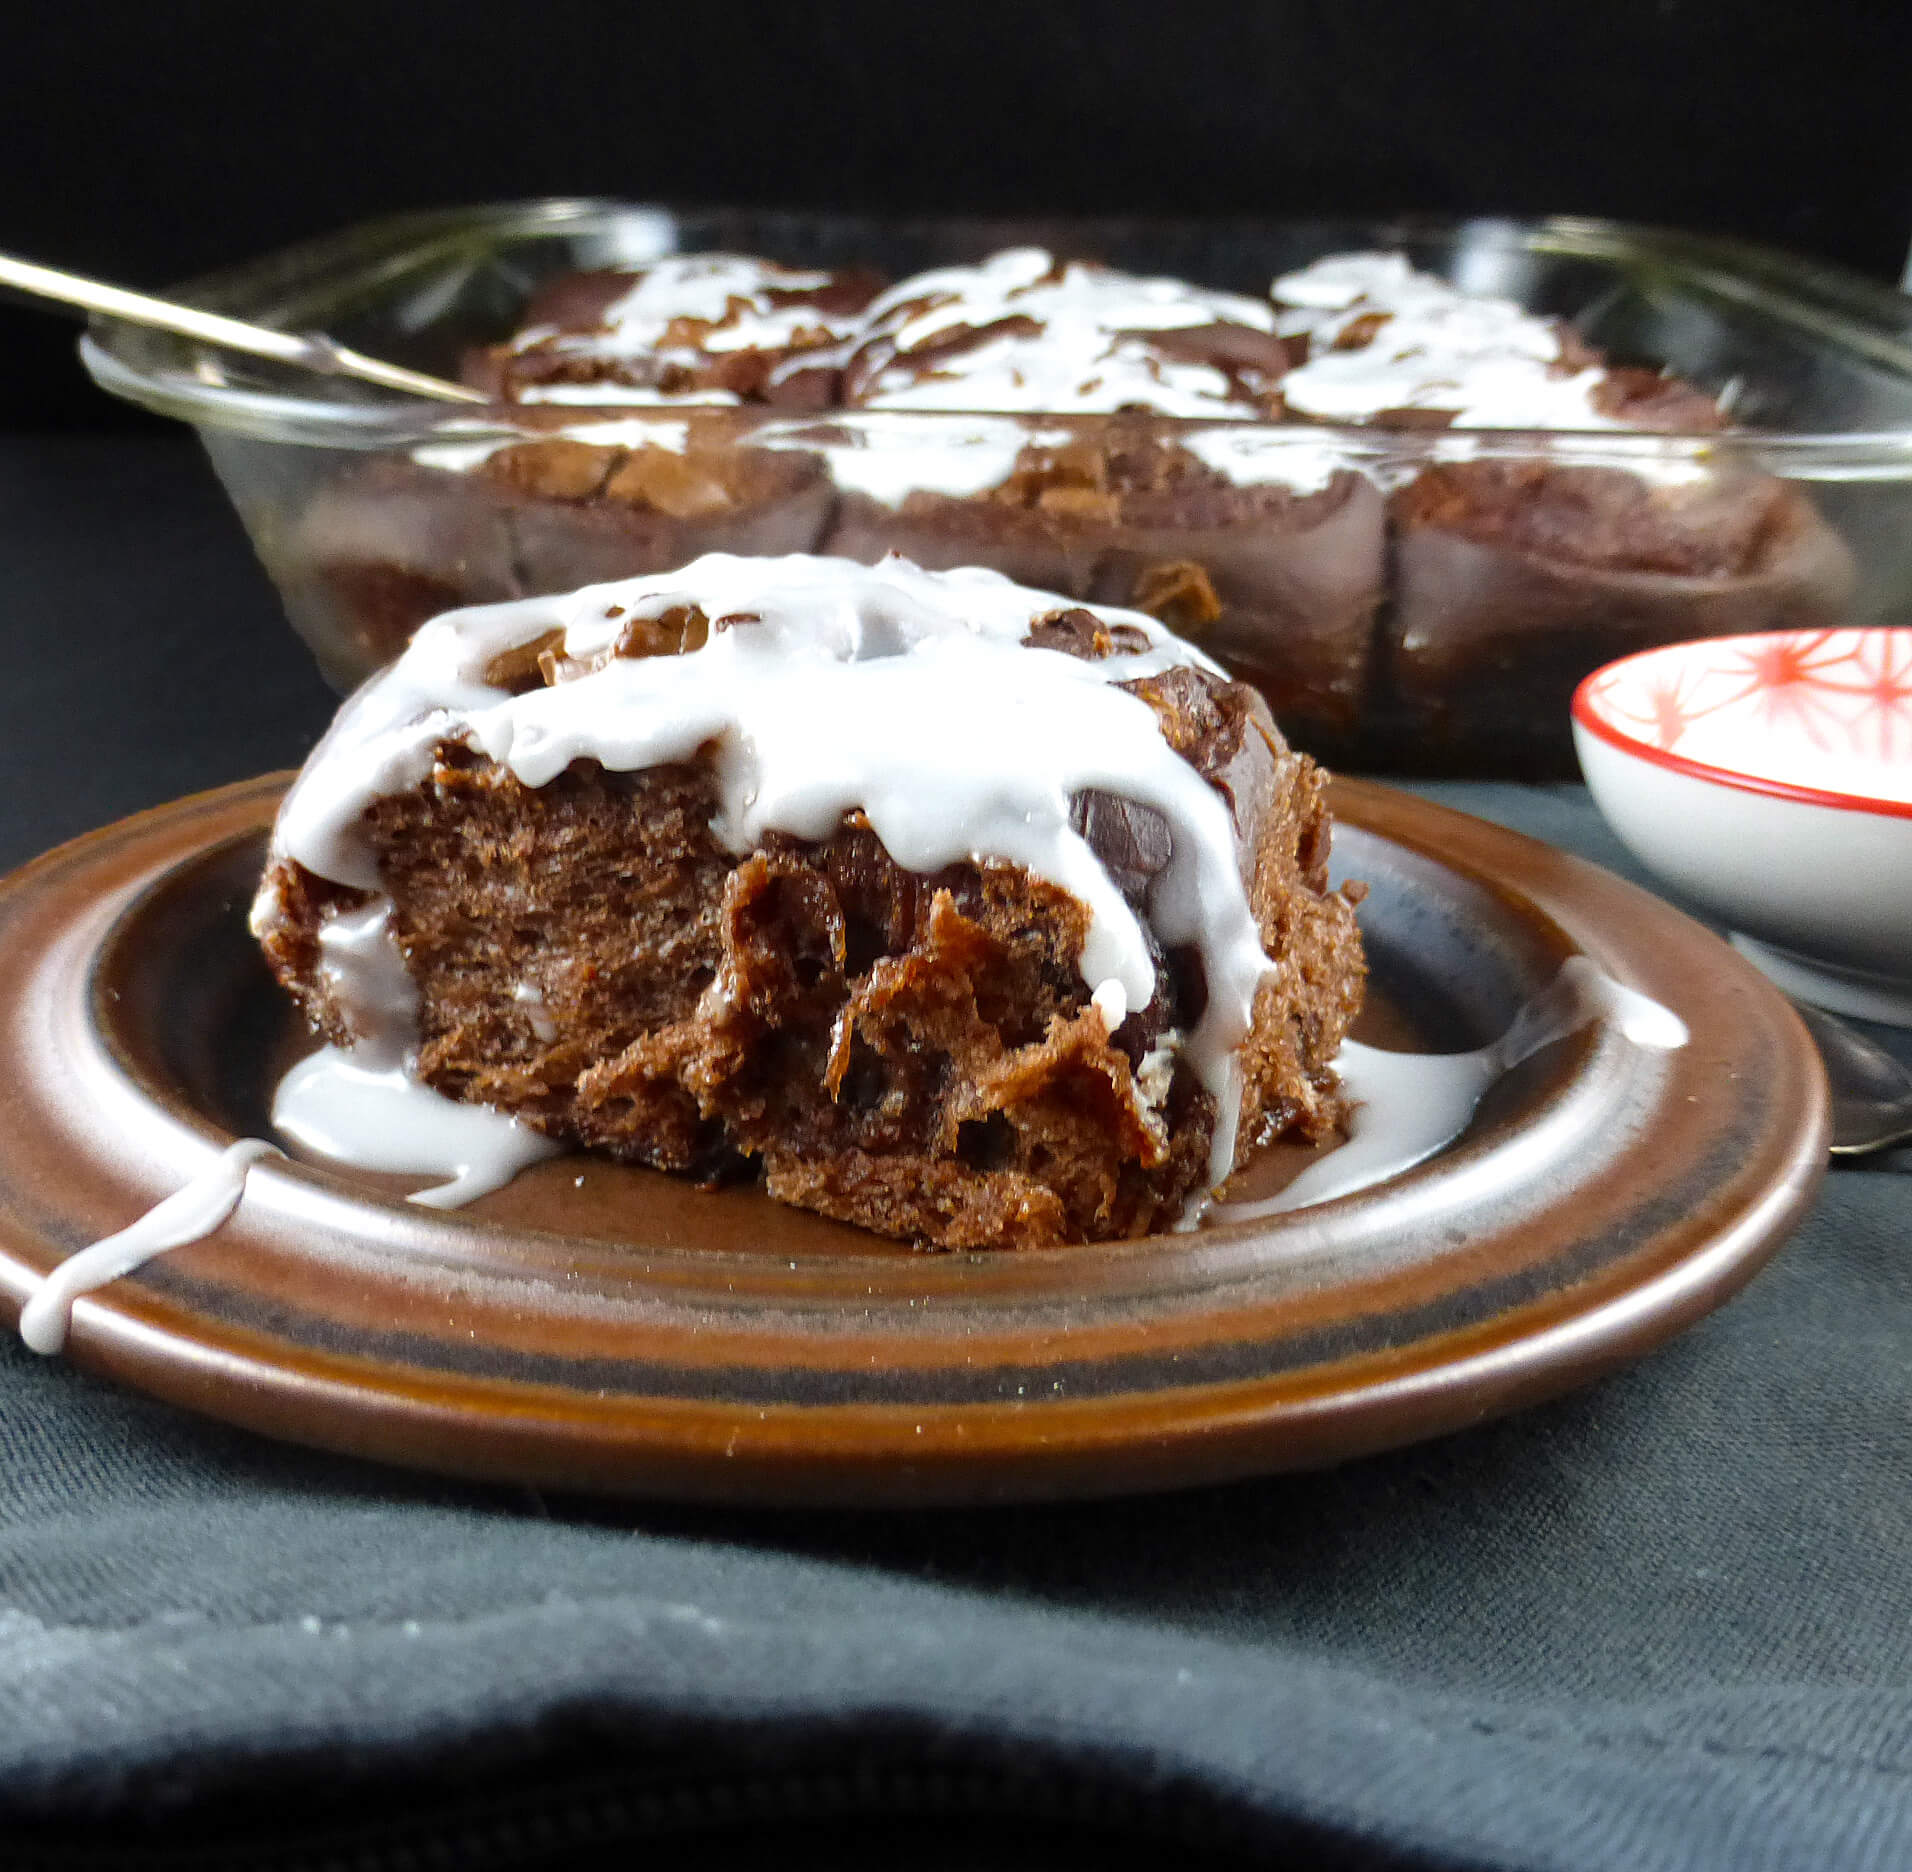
{"type": "Point", "coordinates": [148, 143]}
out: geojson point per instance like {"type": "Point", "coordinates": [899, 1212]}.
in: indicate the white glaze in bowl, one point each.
{"type": "Point", "coordinates": [1769, 779]}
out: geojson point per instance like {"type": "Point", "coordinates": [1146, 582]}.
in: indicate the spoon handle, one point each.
{"type": "Point", "coordinates": [1871, 1091]}
{"type": "Point", "coordinates": [309, 351]}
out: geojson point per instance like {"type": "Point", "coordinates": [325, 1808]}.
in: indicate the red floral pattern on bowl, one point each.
{"type": "Point", "coordinates": [1768, 779]}
{"type": "Point", "coordinates": [1822, 715]}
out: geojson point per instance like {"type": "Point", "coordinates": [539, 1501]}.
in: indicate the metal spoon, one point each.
{"type": "Point", "coordinates": [1871, 1091]}
{"type": "Point", "coordinates": [308, 350]}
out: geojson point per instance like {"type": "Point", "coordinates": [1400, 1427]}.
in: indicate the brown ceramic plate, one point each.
{"type": "Point", "coordinates": [602, 1328]}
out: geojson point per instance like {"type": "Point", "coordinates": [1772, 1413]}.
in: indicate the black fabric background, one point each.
{"type": "Point", "coordinates": [1663, 1623]}
{"type": "Point", "coordinates": [148, 143]}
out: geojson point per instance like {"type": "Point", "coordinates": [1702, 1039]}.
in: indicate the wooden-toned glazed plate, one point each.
{"type": "Point", "coordinates": [603, 1328]}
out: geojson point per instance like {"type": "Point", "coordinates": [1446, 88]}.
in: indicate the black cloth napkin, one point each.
{"type": "Point", "coordinates": [1664, 1622]}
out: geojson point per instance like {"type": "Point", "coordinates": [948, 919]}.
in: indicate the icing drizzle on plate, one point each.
{"type": "Point", "coordinates": [365, 1106]}
{"type": "Point", "coordinates": [337, 1104]}
{"type": "Point", "coordinates": [1408, 1106]}
{"type": "Point", "coordinates": [188, 1215]}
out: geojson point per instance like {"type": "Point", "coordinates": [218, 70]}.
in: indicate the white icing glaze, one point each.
{"type": "Point", "coordinates": [903, 694]}
{"type": "Point", "coordinates": [889, 456]}
{"type": "Point", "coordinates": [189, 1215]}
{"type": "Point", "coordinates": [732, 293]}
{"type": "Point", "coordinates": [1266, 456]}
{"type": "Point", "coordinates": [606, 390]}
{"type": "Point", "coordinates": [463, 457]}
{"type": "Point", "coordinates": [358, 1110]}
{"type": "Point", "coordinates": [609, 432]}
{"type": "Point", "coordinates": [1485, 360]}
{"type": "Point", "coordinates": [531, 998]}
{"type": "Point", "coordinates": [363, 1106]}
{"type": "Point", "coordinates": [1407, 1106]}
{"type": "Point", "coordinates": [1334, 282]}
{"type": "Point", "coordinates": [1157, 1070]}
{"type": "Point", "coordinates": [1111, 1001]}
{"type": "Point", "coordinates": [1084, 359]}
{"type": "Point", "coordinates": [732, 299]}
{"type": "Point", "coordinates": [360, 962]}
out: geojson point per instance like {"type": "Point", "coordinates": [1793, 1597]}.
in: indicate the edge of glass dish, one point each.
{"type": "Point", "coordinates": [312, 281]}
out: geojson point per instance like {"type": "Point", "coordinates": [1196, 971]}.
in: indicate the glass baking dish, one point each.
{"type": "Point", "coordinates": [1382, 638]}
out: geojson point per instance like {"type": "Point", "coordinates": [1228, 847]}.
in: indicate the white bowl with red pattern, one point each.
{"type": "Point", "coordinates": [1769, 779]}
